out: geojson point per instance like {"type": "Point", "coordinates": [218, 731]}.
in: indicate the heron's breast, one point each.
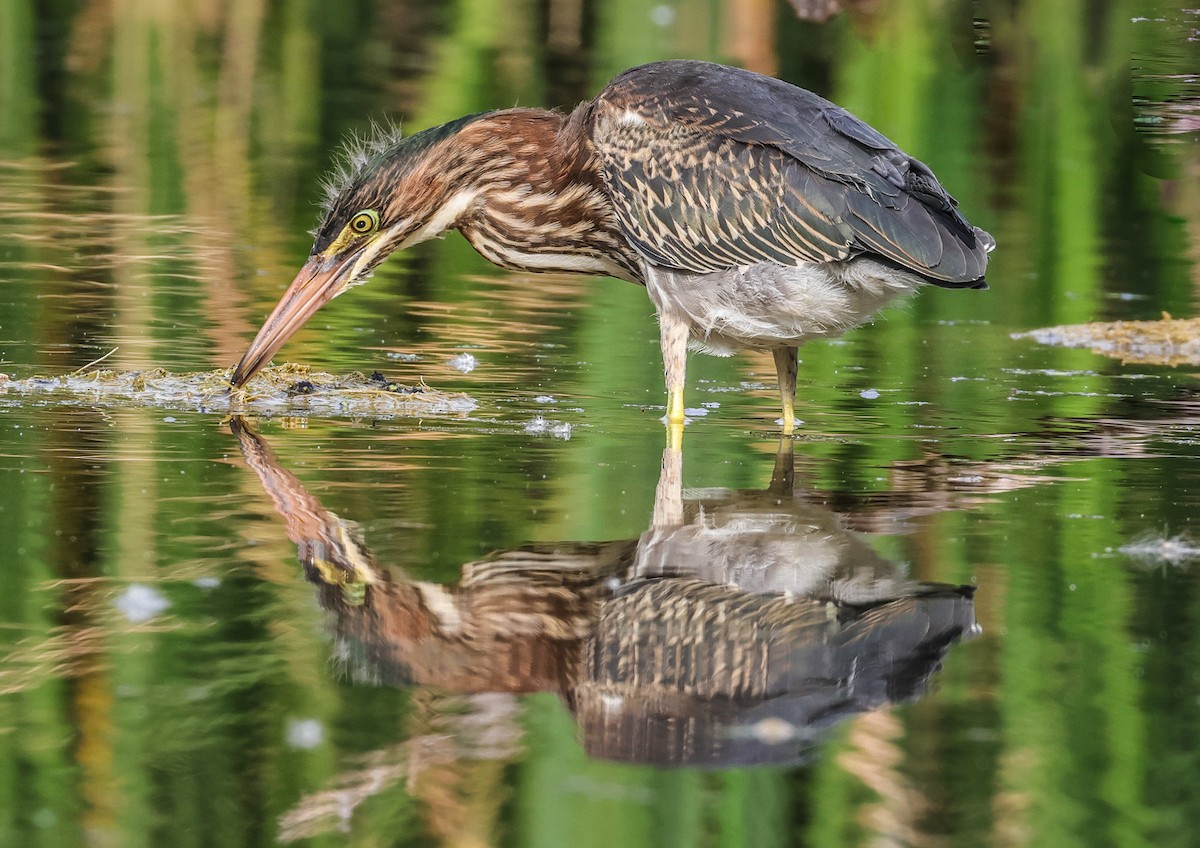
{"type": "Point", "coordinates": [767, 305]}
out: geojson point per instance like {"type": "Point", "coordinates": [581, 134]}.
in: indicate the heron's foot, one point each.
{"type": "Point", "coordinates": [676, 419]}
{"type": "Point", "coordinates": [675, 414]}
{"type": "Point", "coordinates": [789, 426]}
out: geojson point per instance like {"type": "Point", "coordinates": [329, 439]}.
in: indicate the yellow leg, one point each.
{"type": "Point", "coordinates": [785, 370]}
{"type": "Point", "coordinates": [673, 336]}
{"type": "Point", "coordinates": [675, 434]}
{"type": "Point", "coordinates": [789, 416]}
{"type": "Point", "coordinates": [675, 405]}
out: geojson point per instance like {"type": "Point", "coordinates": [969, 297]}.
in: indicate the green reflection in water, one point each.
{"type": "Point", "coordinates": [194, 141]}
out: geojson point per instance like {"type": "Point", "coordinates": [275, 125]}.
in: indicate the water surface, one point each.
{"type": "Point", "coordinates": [489, 627]}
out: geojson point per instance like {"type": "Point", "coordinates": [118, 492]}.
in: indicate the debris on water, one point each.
{"type": "Point", "coordinates": [206, 582]}
{"type": "Point", "coordinates": [744, 386]}
{"type": "Point", "coordinates": [464, 362]}
{"type": "Point", "coordinates": [539, 426]}
{"type": "Point", "coordinates": [695, 412]}
{"type": "Point", "coordinates": [1169, 341]}
{"type": "Point", "coordinates": [284, 389]}
{"type": "Point", "coordinates": [1175, 550]}
{"type": "Point", "coordinates": [387, 385]}
{"type": "Point", "coordinates": [140, 603]}
{"type": "Point", "coordinates": [3, 378]}
{"type": "Point", "coordinates": [869, 394]}
{"type": "Point", "coordinates": [402, 357]}
{"type": "Point", "coordinates": [545, 399]}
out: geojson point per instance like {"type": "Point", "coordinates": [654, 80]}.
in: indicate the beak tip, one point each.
{"type": "Point", "coordinates": [241, 374]}
{"type": "Point", "coordinates": [316, 284]}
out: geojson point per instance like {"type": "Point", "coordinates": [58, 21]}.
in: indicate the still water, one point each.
{"type": "Point", "coordinates": [959, 608]}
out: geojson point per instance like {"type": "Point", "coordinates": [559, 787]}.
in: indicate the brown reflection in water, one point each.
{"type": "Point", "coordinates": [74, 555]}
{"type": "Point", "coordinates": [736, 630]}
{"type": "Point", "coordinates": [748, 35]}
{"type": "Point", "coordinates": [511, 314]}
{"type": "Point", "coordinates": [876, 758]}
{"type": "Point", "coordinates": [210, 138]}
{"type": "Point", "coordinates": [94, 267]}
{"type": "Point", "coordinates": [567, 63]}
{"type": "Point", "coordinates": [938, 482]}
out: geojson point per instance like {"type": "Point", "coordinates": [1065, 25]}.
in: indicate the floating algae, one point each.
{"type": "Point", "coordinates": [283, 390]}
{"type": "Point", "coordinates": [1171, 341]}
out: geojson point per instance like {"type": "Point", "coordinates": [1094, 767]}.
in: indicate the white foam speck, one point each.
{"type": "Point", "coordinates": [1174, 551]}
{"type": "Point", "coordinates": [538, 426]}
{"type": "Point", "coordinates": [304, 733]}
{"type": "Point", "coordinates": [464, 362]}
{"type": "Point", "coordinates": [140, 603]}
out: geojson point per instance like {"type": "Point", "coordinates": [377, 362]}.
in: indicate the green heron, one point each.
{"type": "Point", "coordinates": [756, 214]}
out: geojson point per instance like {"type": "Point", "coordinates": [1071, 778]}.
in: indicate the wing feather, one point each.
{"type": "Point", "coordinates": [712, 167]}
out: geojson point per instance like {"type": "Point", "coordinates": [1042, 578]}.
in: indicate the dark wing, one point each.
{"type": "Point", "coordinates": [712, 167]}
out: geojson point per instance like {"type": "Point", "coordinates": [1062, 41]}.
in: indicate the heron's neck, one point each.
{"type": "Point", "coordinates": [541, 203]}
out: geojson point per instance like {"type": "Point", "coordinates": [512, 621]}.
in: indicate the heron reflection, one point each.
{"type": "Point", "coordinates": [734, 631]}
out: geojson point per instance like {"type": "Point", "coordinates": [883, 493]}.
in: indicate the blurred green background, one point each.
{"type": "Point", "coordinates": [159, 168]}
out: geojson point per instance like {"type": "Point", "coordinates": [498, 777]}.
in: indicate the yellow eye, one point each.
{"type": "Point", "coordinates": [364, 222]}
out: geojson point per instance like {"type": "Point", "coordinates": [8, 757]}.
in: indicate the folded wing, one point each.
{"type": "Point", "coordinates": [710, 168]}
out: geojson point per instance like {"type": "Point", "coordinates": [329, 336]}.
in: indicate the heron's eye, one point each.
{"type": "Point", "coordinates": [364, 222]}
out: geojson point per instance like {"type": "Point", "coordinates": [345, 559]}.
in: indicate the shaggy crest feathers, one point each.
{"type": "Point", "coordinates": [357, 157]}
{"type": "Point", "coordinates": [384, 147]}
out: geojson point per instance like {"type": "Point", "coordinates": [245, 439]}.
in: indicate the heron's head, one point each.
{"type": "Point", "coordinates": [392, 193]}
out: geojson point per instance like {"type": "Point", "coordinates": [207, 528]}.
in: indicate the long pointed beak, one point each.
{"type": "Point", "coordinates": [319, 281]}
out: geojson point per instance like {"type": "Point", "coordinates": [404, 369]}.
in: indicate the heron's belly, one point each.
{"type": "Point", "coordinates": [769, 305]}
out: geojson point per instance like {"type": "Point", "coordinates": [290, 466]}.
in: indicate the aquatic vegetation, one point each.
{"type": "Point", "coordinates": [1170, 341]}
{"type": "Point", "coordinates": [285, 389]}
